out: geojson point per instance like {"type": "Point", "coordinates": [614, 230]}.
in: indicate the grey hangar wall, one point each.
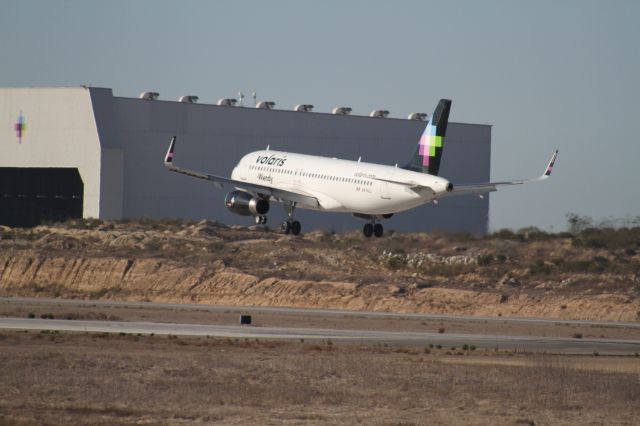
{"type": "Point", "coordinates": [118, 145]}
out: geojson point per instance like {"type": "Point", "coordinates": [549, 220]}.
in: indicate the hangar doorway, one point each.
{"type": "Point", "coordinates": [32, 195]}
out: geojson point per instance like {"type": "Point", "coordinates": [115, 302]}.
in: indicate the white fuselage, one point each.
{"type": "Point", "coordinates": [341, 185]}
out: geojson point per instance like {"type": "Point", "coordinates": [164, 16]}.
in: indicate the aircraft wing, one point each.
{"type": "Point", "coordinates": [483, 188]}
{"type": "Point", "coordinates": [414, 186]}
{"type": "Point", "coordinates": [279, 195]}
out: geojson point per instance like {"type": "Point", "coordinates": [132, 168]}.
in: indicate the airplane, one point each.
{"type": "Point", "coordinates": [372, 192]}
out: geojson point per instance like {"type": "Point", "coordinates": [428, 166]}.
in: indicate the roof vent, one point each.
{"type": "Point", "coordinates": [303, 108]}
{"type": "Point", "coordinates": [265, 105]}
{"type": "Point", "coordinates": [227, 102]}
{"type": "Point", "coordinates": [382, 113]}
{"type": "Point", "coordinates": [188, 99]}
{"type": "Point", "coordinates": [150, 96]}
{"type": "Point", "coordinates": [417, 116]}
{"type": "Point", "coordinates": [341, 111]}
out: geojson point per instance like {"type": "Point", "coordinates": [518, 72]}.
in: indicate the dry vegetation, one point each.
{"type": "Point", "coordinates": [591, 273]}
{"type": "Point", "coordinates": [111, 379]}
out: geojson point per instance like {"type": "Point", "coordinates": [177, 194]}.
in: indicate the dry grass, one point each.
{"type": "Point", "coordinates": [101, 379]}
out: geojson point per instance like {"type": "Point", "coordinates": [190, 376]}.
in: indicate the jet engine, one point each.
{"type": "Point", "coordinates": [245, 204]}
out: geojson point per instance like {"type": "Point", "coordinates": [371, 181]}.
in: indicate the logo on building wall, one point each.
{"type": "Point", "coordinates": [20, 127]}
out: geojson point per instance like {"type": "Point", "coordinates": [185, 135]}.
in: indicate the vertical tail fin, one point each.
{"type": "Point", "coordinates": [426, 158]}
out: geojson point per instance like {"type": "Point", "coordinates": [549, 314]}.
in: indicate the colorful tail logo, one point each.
{"type": "Point", "coordinates": [426, 157]}
{"type": "Point", "coordinates": [429, 141]}
{"type": "Point", "coordinates": [20, 127]}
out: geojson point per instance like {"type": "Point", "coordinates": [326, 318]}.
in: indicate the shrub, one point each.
{"type": "Point", "coordinates": [396, 262]}
{"type": "Point", "coordinates": [577, 335]}
{"type": "Point", "coordinates": [472, 347]}
{"type": "Point", "coordinates": [484, 259]}
{"type": "Point", "coordinates": [532, 233]}
{"type": "Point", "coordinates": [441, 330]}
{"type": "Point", "coordinates": [539, 267]}
{"type": "Point", "coordinates": [465, 347]}
{"type": "Point", "coordinates": [438, 346]}
{"type": "Point", "coordinates": [31, 315]}
{"type": "Point", "coordinates": [506, 234]}
{"type": "Point", "coordinates": [577, 223]}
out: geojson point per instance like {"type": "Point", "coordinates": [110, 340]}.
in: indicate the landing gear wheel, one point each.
{"type": "Point", "coordinates": [261, 220]}
{"type": "Point", "coordinates": [367, 230]}
{"type": "Point", "coordinates": [295, 227]}
{"type": "Point", "coordinates": [377, 230]}
{"type": "Point", "coordinates": [285, 227]}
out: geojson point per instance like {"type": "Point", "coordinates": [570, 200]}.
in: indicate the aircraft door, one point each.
{"type": "Point", "coordinates": [385, 191]}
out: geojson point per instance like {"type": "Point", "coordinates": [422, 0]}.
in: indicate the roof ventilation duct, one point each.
{"type": "Point", "coordinates": [150, 96]}
{"type": "Point", "coordinates": [341, 111]}
{"type": "Point", "coordinates": [417, 116]}
{"type": "Point", "coordinates": [382, 113]}
{"type": "Point", "coordinates": [227, 102]}
{"type": "Point", "coordinates": [265, 105]}
{"type": "Point", "coordinates": [303, 108]}
{"type": "Point", "coordinates": [188, 99]}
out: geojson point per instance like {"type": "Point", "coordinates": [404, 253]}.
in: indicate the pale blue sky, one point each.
{"type": "Point", "coordinates": [546, 74]}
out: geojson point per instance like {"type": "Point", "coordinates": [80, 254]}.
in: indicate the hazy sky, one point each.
{"type": "Point", "coordinates": [546, 74]}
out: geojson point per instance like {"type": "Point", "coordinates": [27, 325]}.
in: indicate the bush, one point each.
{"type": "Point", "coordinates": [610, 238]}
{"type": "Point", "coordinates": [484, 259]}
{"type": "Point", "coordinates": [396, 262]}
{"type": "Point", "coordinates": [441, 330]}
{"type": "Point", "coordinates": [532, 233]}
{"type": "Point", "coordinates": [31, 315]}
{"type": "Point", "coordinates": [505, 234]}
{"type": "Point", "coordinates": [465, 347]}
{"type": "Point", "coordinates": [577, 335]}
{"type": "Point", "coordinates": [539, 267]}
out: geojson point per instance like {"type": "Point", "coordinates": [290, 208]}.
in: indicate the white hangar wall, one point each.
{"type": "Point", "coordinates": [119, 144]}
{"type": "Point", "coordinates": [60, 132]}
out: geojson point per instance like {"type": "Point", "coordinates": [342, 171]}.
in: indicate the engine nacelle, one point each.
{"type": "Point", "coordinates": [245, 204]}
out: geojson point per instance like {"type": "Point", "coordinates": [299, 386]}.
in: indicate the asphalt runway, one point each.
{"type": "Point", "coordinates": [520, 343]}
{"type": "Point", "coordinates": [311, 311]}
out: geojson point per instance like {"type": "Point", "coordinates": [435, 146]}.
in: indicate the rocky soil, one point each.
{"type": "Point", "coordinates": [586, 276]}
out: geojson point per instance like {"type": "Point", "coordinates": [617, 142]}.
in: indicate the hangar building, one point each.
{"type": "Point", "coordinates": [82, 152]}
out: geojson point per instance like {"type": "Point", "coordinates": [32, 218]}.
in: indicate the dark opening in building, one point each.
{"type": "Point", "coordinates": [32, 195]}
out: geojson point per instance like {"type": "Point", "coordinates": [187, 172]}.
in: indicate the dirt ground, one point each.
{"type": "Point", "coordinates": [588, 275]}
{"type": "Point", "coordinates": [52, 378]}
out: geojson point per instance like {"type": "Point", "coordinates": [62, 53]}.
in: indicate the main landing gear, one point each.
{"type": "Point", "coordinates": [261, 220]}
{"type": "Point", "coordinates": [373, 228]}
{"type": "Point", "coordinates": [290, 226]}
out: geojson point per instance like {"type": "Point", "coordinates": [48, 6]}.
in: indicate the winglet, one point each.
{"type": "Point", "coordinates": [549, 168]}
{"type": "Point", "coordinates": [168, 159]}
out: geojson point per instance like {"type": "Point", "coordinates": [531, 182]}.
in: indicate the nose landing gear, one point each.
{"type": "Point", "coordinates": [261, 220]}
